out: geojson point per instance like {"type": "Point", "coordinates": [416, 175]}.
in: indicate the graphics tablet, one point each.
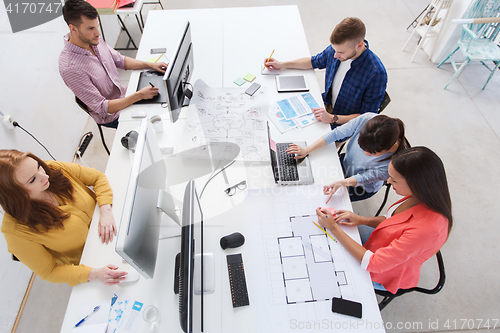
{"type": "Point", "coordinates": [290, 83]}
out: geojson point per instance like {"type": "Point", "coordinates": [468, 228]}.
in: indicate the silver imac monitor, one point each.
{"type": "Point", "coordinates": [178, 74]}
{"type": "Point", "coordinates": [140, 223]}
{"type": "Point", "coordinates": [190, 272]}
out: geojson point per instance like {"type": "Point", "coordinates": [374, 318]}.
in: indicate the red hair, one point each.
{"type": "Point", "coordinates": [15, 200]}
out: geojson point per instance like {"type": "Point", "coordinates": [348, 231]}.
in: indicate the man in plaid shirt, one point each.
{"type": "Point", "coordinates": [355, 78]}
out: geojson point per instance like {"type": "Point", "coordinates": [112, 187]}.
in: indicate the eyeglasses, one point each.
{"type": "Point", "coordinates": [232, 190]}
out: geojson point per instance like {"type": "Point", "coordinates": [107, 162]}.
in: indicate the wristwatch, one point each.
{"type": "Point", "coordinates": [334, 119]}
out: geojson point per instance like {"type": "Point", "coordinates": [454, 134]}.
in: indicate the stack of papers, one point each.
{"type": "Point", "coordinates": [294, 112]}
{"type": "Point", "coordinates": [105, 7]}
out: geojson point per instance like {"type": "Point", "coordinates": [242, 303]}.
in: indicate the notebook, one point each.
{"type": "Point", "coordinates": [286, 169]}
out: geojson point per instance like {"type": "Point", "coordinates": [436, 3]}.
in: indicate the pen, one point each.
{"type": "Point", "coordinates": [161, 55]}
{"type": "Point", "coordinates": [151, 85]}
{"type": "Point", "coordinates": [87, 316]}
{"type": "Point", "coordinates": [268, 59]}
{"type": "Point", "coordinates": [324, 231]}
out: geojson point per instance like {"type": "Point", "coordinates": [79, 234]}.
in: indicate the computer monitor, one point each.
{"type": "Point", "coordinates": [140, 223]}
{"type": "Point", "coordinates": [178, 74]}
{"type": "Point", "coordinates": [188, 269]}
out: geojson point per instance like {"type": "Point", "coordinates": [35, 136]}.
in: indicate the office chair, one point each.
{"type": "Point", "coordinates": [99, 126]}
{"type": "Point", "coordinates": [478, 40]}
{"type": "Point", "coordinates": [388, 297]}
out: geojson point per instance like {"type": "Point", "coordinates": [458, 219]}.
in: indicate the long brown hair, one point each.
{"type": "Point", "coordinates": [424, 173]}
{"type": "Point", "coordinates": [381, 133]}
{"type": "Point", "coordinates": [15, 200]}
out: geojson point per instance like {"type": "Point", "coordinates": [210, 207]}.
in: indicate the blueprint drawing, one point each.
{"type": "Point", "coordinates": [230, 115]}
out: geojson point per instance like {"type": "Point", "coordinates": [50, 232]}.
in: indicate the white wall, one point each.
{"type": "Point", "coordinates": [450, 34]}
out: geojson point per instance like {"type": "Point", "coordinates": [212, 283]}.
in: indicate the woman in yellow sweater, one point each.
{"type": "Point", "coordinates": [48, 209]}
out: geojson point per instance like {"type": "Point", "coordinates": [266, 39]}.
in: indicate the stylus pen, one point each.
{"type": "Point", "coordinates": [152, 85]}
{"type": "Point", "coordinates": [161, 55]}
{"type": "Point", "coordinates": [325, 231]}
{"type": "Point", "coordinates": [268, 59]}
{"type": "Point", "coordinates": [88, 316]}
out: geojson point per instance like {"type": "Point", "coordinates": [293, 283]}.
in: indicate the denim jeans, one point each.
{"type": "Point", "coordinates": [113, 124]}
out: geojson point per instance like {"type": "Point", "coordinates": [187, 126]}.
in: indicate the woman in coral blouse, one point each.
{"type": "Point", "coordinates": [48, 209]}
{"type": "Point", "coordinates": [414, 228]}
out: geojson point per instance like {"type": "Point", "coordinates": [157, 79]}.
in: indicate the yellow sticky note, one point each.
{"type": "Point", "coordinates": [249, 77]}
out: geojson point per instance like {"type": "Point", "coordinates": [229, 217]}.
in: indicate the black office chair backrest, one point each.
{"type": "Point", "coordinates": [81, 104]}
{"type": "Point", "coordinates": [385, 101]}
{"type": "Point", "coordinates": [84, 107]}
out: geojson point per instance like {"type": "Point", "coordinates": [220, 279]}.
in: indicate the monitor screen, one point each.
{"type": "Point", "coordinates": [177, 76]}
{"type": "Point", "coordinates": [139, 229]}
{"type": "Point", "coordinates": [189, 270]}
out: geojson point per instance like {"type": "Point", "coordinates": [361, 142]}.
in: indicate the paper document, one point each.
{"type": "Point", "coordinates": [97, 322]}
{"type": "Point", "coordinates": [297, 106]}
{"type": "Point", "coordinates": [125, 315]}
{"type": "Point", "coordinates": [230, 115]}
{"type": "Point", "coordinates": [278, 119]}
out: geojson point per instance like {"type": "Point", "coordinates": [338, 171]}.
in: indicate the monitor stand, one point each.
{"type": "Point", "coordinates": [208, 273]}
{"type": "Point", "coordinates": [170, 220]}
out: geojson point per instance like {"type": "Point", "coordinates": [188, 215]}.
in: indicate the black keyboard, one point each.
{"type": "Point", "coordinates": [287, 163]}
{"type": "Point", "coordinates": [238, 284]}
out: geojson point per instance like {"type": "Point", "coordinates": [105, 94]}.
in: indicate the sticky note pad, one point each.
{"type": "Point", "coordinates": [239, 81]}
{"type": "Point", "coordinates": [249, 77]}
{"type": "Point", "coordinates": [330, 209]}
{"type": "Point", "coordinates": [272, 144]}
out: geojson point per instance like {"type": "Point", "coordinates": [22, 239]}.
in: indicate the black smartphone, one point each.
{"type": "Point", "coordinates": [346, 307]}
{"type": "Point", "coordinates": [252, 89]}
{"type": "Point", "coordinates": [158, 50]}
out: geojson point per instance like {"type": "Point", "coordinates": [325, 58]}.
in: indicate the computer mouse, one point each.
{"type": "Point", "coordinates": [232, 241]}
{"type": "Point", "coordinates": [132, 276]}
{"type": "Point", "coordinates": [138, 114]}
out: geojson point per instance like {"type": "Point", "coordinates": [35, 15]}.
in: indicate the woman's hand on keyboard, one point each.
{"type": "Point", "coordinates": [300, 152]}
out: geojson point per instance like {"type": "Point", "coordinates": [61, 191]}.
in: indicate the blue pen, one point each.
{"type": "Point", "coordinates": [87, 317]}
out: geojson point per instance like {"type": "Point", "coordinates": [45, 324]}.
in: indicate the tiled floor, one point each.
{"type": "Point", "coordinates": [461, 124]}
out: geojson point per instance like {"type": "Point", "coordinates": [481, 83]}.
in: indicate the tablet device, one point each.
{"type": "Point", "coordinates": [290, 83]}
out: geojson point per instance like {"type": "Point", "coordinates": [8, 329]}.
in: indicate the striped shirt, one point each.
{"type": "Point", "coordinates": [93, 79]}
{"type": "Point", "coordinates": [364, 84]}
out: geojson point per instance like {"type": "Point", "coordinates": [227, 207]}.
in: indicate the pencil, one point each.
{"type": "Point", "coordinates": [325, 231]}
{"type": "Point", "coordinates": [268, 59]}
{"type": "Point", "coordinates": [161, 55]}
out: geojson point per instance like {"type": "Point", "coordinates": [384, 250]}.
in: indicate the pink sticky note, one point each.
{"type": "Point", "coordinates": [330, 209]}
{"type": "Point", "coordinates": [273, 144]}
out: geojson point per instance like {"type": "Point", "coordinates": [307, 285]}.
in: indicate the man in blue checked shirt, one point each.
{"type": "Point", "coordinates": [355, 78]}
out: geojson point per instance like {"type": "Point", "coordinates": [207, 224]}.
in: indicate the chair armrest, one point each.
{"type": "Point", "coordinates": [469, 32]}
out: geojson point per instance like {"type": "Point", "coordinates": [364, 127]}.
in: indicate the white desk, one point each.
{"type": "Point", "coordinates": [228, 43]}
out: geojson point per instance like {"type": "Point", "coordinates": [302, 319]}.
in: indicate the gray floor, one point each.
{"type": "Point", "coordinates": [460, 124]}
